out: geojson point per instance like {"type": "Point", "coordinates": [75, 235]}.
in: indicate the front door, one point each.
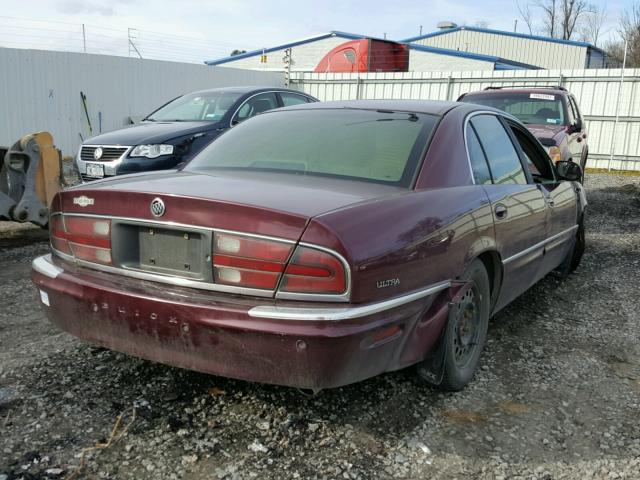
{"type": "Point", "coordinates": [560, 196]}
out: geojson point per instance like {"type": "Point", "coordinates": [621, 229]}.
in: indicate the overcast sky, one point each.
{"type": "Point", "coordinates": [250, 24]}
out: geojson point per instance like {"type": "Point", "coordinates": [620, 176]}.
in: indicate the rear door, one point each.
{"type": "Point", "coordinates": [519, 207]}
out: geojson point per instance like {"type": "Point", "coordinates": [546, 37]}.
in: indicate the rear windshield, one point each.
{"type": "Point", "coordinates": [538, 108]}
{"type": "Point", "coordinates": [376, 146]}
{"type": "Point", "coordinates": [203, 106]}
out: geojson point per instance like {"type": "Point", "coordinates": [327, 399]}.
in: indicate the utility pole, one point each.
{"type": "Point", "coordinates": [133, 34]}
{"type": "Point", "coordinates": [287, 66]}
{"type": "Point", "coordinates": [515, 26]}
{"type": "Point", "coordinates": [384, 35]}
{"type": "Point", "coordinates": [420, 30]}
{"type": "Point", "coordinates": [84, 39]}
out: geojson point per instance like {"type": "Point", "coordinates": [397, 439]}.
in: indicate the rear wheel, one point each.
{"type": "Point", "coordinates": [466, 330]}
{"type": "Point", "coordinates": [583, 165]}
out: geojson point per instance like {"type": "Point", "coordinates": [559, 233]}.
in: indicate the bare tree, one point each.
{"type": "Point", "coordinates": [560, 18]}
{"type": "Point", "coordinates": [592, 24]}
{"type": "Point", "coordinates": [527, 16]}
{"type": "Point", "coordinates": [630, 32]}
{"type": "Point", "coordinates": [571, 12]}
{"type": "Point", "coordinates": [549, 16]}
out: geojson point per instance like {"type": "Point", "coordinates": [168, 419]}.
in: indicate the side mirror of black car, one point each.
{"type": "Point", "coordinates": [567, 170]}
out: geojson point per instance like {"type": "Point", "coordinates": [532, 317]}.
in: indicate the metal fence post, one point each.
{"type": "Point", "coordinates": [615, 124]}
{"type": "Point", "coordinates": [449, 88]}
{"type": "Point", "coordinates": [358, 83]}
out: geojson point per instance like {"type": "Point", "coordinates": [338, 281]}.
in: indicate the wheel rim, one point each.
{"type": "Point", "coordinates": [466, 328]}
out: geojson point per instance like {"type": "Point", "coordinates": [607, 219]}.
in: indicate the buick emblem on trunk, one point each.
{"type": "Point", "coordinates": [97, 153]}
{"type": "Point", "coordinates": [157, 207]}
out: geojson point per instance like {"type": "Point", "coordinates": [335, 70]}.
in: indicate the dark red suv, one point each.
{"type": "Point", "coordinates": [551, 113]}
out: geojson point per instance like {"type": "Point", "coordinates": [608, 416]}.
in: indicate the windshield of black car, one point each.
{"type": "Point", "coordinates": [375, 146]}
{"type": "Point", "coordinates": [537, 108]}
{"type": "Point", "coordinates": [196, 107]}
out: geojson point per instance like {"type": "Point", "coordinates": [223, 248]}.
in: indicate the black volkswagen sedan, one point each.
{"type": "Point", "coordinates": [178, 130]}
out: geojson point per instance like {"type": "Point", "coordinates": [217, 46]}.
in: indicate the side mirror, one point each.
{"type": "Point", "coordinates": [577, 126]}
{"type": "Point", "coordinates": [567, 170]}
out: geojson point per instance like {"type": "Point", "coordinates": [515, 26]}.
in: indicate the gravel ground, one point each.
{"type": "Point", "coordinates": [557, 395]}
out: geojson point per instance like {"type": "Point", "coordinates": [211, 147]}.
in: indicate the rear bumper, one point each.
{"type": "Point", "coordinates": [313, 346]}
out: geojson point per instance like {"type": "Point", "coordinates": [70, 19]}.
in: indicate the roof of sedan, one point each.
{"type": "Point", "coordinates": [243, 89]}
{"type": "Point", "coordinates": [433, 107]}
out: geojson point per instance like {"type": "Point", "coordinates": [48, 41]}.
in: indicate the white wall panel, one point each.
{"type": "Point", "coordinates": [40, 90]}
{"type": "Point", "coordinates": [596, 91]}
{"type": "Point", "coordinates": [533, 52]}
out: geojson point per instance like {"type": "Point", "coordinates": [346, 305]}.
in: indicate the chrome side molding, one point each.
{"type": "Point", "coordinates": [539, 245]}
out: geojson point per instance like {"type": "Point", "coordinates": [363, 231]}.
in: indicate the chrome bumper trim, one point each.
{"type": "Point", "coordinates": [336, 314]}
{"type": "Point", "coordinates": [44, 266]}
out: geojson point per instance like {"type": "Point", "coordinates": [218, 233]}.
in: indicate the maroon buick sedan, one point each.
{"type": "Point", "coordinates": [318, 245]}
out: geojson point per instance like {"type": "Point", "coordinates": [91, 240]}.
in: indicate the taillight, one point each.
{"type": "Point", "coordinates": [313, 271]}
{"type": "Point", "coordinates": [248, 261]}
{"type": "Point", "coordinates": [85, 238]}
{"type": "Point", "coordinates": [252, 262]}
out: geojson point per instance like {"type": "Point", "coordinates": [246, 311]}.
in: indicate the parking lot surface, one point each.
{"type": "Point", "coordinates": [557, 395]}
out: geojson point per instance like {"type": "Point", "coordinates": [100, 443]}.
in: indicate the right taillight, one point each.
{"type": "Point", "coordinates": [313, 271]}
{"type": "Point", "coordinates": [248, 262]}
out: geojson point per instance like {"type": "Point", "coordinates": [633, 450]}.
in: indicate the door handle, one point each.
{"type": "Point", "coordinates": [500, 211]}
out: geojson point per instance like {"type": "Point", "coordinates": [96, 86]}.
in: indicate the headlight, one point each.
{"type": "Point", "coordinates": [554, 153]}
{"type": "Point", "coordinates": [151, 151]}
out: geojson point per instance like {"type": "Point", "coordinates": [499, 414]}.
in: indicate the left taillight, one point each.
{"type": "Point", "coordinates": [84, 238]}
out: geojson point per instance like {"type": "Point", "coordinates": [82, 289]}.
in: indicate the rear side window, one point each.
{"type": "Point", "coordinates": [255, 105]}
{"type": "Point", "coordinates": [501, 154]}
{"type": "Point", "coordinates": [479, 167]}
{"type": "Point", "coordinates": [289, 99]}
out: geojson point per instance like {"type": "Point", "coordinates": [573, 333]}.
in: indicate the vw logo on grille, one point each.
{"type": "Point", "coordinates": [157, 207]}
{"type": "Point", "coordinates": [97, 153]}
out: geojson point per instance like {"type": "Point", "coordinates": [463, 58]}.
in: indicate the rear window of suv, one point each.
{"type": "Point", "coordinates": [376, 146]}
{"type": "Point", "coordinates": [541, 108]}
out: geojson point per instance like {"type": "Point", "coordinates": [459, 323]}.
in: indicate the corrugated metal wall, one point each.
{"type": "Point", "coordinates": [428, 62]}
{"type": "Point", "coordinates": [596, 91]}
{"type": "Point", "coordinates": [533, 52]}
{"type": "Point", "coordinates": [40, 90]}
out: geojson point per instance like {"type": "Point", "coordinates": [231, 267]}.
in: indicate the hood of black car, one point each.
{"type": "Point", "coordinates": [151, 133]}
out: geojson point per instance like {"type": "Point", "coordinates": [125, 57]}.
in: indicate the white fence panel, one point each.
{"type": "Point", "coordinates": [40, 90]}
{"type": "Point", "coordinates": [600, 94]}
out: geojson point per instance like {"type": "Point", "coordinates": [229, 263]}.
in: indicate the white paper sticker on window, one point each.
{"type": "Point", "coordinates": [542, 96]}
{"type": "Point", "coordinates": [44, 296]}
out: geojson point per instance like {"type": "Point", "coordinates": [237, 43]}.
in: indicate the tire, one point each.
{"type": "Point", "coordinates": [471, 315]}
{"type": "Point", "coordinates": [583, 165]}
{"type": "Point", "coordinates": [574, 257]}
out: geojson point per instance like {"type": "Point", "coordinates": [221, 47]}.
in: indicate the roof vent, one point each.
{"type": "Point", "coordinates": [446, 25]}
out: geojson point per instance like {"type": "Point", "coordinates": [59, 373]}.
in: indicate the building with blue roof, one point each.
{"type": "Point", "coordinates": [307, 53]}
{"type": "Point", "coordinates": [544, 52]}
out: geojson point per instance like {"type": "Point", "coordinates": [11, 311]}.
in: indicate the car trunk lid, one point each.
{"type": "Point", "coordinates": [271, 204]}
